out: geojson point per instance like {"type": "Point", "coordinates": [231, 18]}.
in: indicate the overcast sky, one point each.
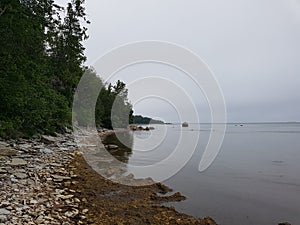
{"type": "Point", "coordinates": [252, 47]}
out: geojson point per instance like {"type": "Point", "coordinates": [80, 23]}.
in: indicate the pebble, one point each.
{"type": "Point", "coordinates": [48, 139]}
{"type": "Point", "coordinates": [2, 143]}
{"type": "Point", "coordinates": [33, 177]}
{"type": "Point", "coordinates": [4, 212]}
{"type": "Point", "coordinates": [17, 162]}
{"type": "Point", "coordinates": [60, 178]}
{"type": "Point", "coordinates": [46, 151]}
{"type": "Point", "coordinates": [20, 175]}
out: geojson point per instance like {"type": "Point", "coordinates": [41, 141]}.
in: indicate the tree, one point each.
{"type": "Point", "coordinates": [67, 51]}
{"type": "Point", "coordinates": [31, 32]}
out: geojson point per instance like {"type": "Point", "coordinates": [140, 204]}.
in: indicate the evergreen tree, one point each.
{"type": "Point", "coordinates": [29, 34]}
{"type": "Point", "coordinates": [68, 52]}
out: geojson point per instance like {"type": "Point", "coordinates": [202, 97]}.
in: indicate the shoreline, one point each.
{"type": "Point", "coordinates": [47, 180]}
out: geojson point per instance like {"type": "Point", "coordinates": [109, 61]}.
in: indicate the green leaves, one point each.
{"type": "Point", "coordinates": [41, 63]}
{"type": "Point", "coordinates": [40, 66]}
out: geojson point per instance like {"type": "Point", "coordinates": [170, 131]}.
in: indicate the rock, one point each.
{"type": "Point", "coordinates": [46, 151]}
{"type": "Point", "coordinates": [72, 213]}
{"type": "Point", "coordinates": [2, 143]}
{"type": "Point", "coordinates": [17, 162]}
{"type": "Point", "coordinates": [112, 147]}
{"type": "Point", "coordinates": [69, 214]}
{"type": "Point", "coordinates": [48, 139]}
{"type": "Point", "coordinates": [7, 151]}
{"type": "Point", "coordinates": [84, 211]}
{"type": "Point", "coordinates": [14, 180]}
{"type": "Point", "coordinates": [25, 146]}
{"type": "Point", "coordinates": [4, 204]}
{"type": "Point", "coordinates": [20, 175]}
{"type": "Point", "coordinates": [40, 219]}
{"type": "Point", "coordinates": [3, 219]}
{"type": "Point", "coordinates": [68, 131]}
{"type": "Point", "coordinates": [284, 223]}
{"type": "Point", "coordinates": [3, 158]}
{"type": "Point", "coordinates": [58, 177]}
{"type": "Point", "coordinates": [65, 196]}
{"type": "Point", "coordinates": [4, 212]}
{"type": "Point", "coordinates": [32, 201]}
{"type": "Point", "coordinates": [55, 165]}
{"type": "Point", "coordinates": [28, 194]}
{"type": "Point", "coordinates": [59, 191]}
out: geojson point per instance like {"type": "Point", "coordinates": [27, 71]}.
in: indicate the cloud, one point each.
{"type": "Point", "coordinates": [252, 47]}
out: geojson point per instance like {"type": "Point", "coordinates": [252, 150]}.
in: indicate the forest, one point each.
{"type": "Point", "coordinates": [41, 62]}
{"type": "Point", "coordinates": [138, 119]}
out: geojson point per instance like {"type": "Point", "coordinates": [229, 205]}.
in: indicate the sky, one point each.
{"type": "Point", "coordinates": [251, 46]}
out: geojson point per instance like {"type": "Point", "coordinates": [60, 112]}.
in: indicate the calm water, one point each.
{"type": "Point", "coordinates": [254, 180]}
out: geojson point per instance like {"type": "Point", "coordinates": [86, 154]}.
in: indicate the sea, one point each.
{"type": "Point", "coordinates": [253, 180]}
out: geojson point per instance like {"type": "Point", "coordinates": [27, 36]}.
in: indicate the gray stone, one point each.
{"type": "Point", "coordinates": [4, 204]}
{"type": "Point", "coordinates": [14, 180]}
{"type": "Point", "coordinates": [4, 212]}
{"type": "Point", "coordinates": [65, 196]}
{"type": "Point", "coordinates": [48, 139]}
{"type": "Point", "coordinates": [20, 175]}
{"type": "Point", "coordinates": [2, 143]}
{"type": "Point", "coordinates": [3, 219]}
{"type": "Point", "coordinates": [62, 149]}
{"type": "Point", "coordinates": [17, 162]}
{"type": "Point", "coordinates": [46, 151]}
{"type": "Point", "coordinates": [19, 171]}
{"type": "Point", "coordinates": [55, 165]}
{"type": "Point", "coordinates": [84, 211]}
{"type": "Point", "coordinates": [25, 146]}
{"type": "Point", "coordinates": [72, 213]}
{"type": "Point", "coordinates": [32, 201]}
{"type": "Point", "coordinates": [58, 177]}
{"type": "Point", "coordinates": [112, 147]}
{"type": "Point", "coordinates": [7, 151]}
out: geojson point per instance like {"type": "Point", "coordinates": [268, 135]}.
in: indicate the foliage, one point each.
{"type": "Point", "coordinates": [30, 30]}
{"type": "Point", "coordinates": [41, 63]}
{"type": "Point", "coordinates": [138, 119]}
{"type": "Point", "coordinates": [112, 108]}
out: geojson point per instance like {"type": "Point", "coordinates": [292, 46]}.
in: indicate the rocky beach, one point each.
{"type": "Point", "coordinates": [46, 180]}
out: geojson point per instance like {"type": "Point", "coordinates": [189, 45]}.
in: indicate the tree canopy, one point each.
{"type": "Point", "coordinates": [41, 62]}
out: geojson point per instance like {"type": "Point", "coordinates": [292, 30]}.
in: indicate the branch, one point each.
{"type": "Point", "coordinates": [2, 10]}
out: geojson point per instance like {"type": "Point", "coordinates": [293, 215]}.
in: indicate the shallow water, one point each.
{"type": "Point", "coordinates": [255, 178]}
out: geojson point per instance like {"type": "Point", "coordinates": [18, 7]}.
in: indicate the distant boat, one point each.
{"type": "Point", "coordinates": [185, 124]}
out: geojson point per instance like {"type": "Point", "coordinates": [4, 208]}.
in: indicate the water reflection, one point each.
{"type": "Point", "coordinates": [124, 141]}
